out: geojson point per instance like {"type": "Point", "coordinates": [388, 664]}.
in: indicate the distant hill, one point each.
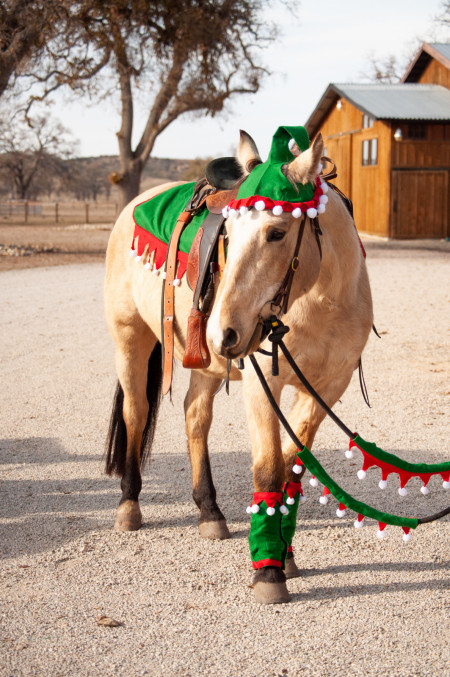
{"type": "Point", "coordinates": [161, 168]}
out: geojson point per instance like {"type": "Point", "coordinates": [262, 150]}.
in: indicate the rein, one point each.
{"type": "Point", "coordinates": [373, 455]}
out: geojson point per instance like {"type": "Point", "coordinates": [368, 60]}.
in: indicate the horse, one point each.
{"type": "Point", "coordinates": [329, 313]}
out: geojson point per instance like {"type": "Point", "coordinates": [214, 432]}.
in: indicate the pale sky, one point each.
{"type": "Point", "coordinates": [329, 42]}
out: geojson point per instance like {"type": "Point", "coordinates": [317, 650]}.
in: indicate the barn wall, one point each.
{"type": "Point", "coordinates": [367, 186]}
{"type": "Point", "coordinates": [435, 74]}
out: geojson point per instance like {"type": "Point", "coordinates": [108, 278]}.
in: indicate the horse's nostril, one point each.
{"type": "Point", "coordinates": [230, 338]}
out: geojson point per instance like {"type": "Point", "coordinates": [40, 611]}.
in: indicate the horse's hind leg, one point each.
{"type": "Point", "coordinates": [198, 407]}
{"type": "Point", "coordinates": [138, 362]}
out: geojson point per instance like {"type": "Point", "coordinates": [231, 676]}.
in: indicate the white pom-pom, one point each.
{"type": "Point", "coordinates": [349, 453]}
{"type": "Point", "coordinates": [424, 490]}
{"type": "Point", "coordinates": [260, 205]}
{"type": "Point", "coordinates": [314, 482]}
{"type": "Point", "coordinates": [361, 474]}
{"type": "Point", "coordinates": [302, 498]}
{"type": "Point", "coordinates": [381, 534]}
{"type": "Point", "coordinates": [147, 266]}
{"type": "Point", "coordinates": [225, 212]}
{"type": "Point", "coordinates": [323, 500]}
{"type": "Point", "coordinates": [270, 511]}
{"type": "Point", "coordinates": [293, 147]}
{"type": "Point", "coordinates": [321, 209]}
{"type": "Point", "coordinates": [255, 508]}
{"type": "Point", "coordinates": [340, 513]}
{"type": "Point", "coordinates": [402, 491]}
{"type": "Point", "coordinates": [232, 212]}
{"type": "Point", "coordinates": [155, 271]}
{"type": "Point", "coordinates": [243, 210]}
{"type": "Point", "coordinates": [290, 501]}
{"type": "Point", "coordinates": [277, 210]}
{"type": "Point", "coordinates": [248, 510]}
{"type": "Point", "coordinates": [324, 186]}
{"type": "Point", "coordinates": [284, 510]}
{"type": "Point", "coordinates": [446, 485]}
{"type": "Point", "coordinates": [297, 469]}
{"type": "Point", "coordinates": [358, 524]}
{"type": "Point", "coordinates": [133, 253]}
{"type": "Point", "coordinates": [323, 199]}
{"type": "Point", "coordinates": [176, 282]}
{"type": "Point", "coordinates": [137, 259]}
{"type": "Point", "coordinates": [407, 537]}
{"type": "Point", "coordinates": [382, 484]}
{"type": "Point", "coordinates": [311, 212]}
{"type": "Point", "coordinates": [296, 213]}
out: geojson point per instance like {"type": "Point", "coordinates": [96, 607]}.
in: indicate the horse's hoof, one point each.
{"type": "Point", "coordinates": [291, 570]}
{"type": "Point", "coordinates": [128, 517]}
{"type": "Point", "coordinates": [271, 593]}
{"type": "Point", "coordinates": [214, 530]}
{"type": "Point", "coordinates": [269, 585]}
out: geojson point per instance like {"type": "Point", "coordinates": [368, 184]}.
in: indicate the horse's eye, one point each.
{"type": "Point", "coordinates": [275, 235]}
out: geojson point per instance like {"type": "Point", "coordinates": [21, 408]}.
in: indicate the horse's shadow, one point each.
{"type": "Point", "coordinates": [326, 594]}
{"type": "Point", "coordinates": [45, 510]}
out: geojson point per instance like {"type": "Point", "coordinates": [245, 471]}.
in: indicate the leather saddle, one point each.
{"type": "Point", "coordinates": [206, 258]}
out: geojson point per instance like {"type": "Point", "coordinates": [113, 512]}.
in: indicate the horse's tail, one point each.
{"type": "Point", "coordinates": [116, 441]}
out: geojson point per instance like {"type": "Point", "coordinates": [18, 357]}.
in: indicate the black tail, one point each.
{"type": "Point", "coordinates": [116, 441]}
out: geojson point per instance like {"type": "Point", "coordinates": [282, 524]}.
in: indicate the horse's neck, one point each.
{"type": "Point", "coordinates": [335, 279]}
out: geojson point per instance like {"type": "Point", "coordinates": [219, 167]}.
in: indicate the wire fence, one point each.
{"type": "Point", "coordinates": [30, 212]}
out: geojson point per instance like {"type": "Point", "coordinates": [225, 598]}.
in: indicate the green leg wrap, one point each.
{"type": "Point", "coordinates": [267, 544]}
{"type": "Point", "coordinates": [292, 492]}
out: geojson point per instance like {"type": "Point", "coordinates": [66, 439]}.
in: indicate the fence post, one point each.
{"type": "Point", "coordinates": [56, 212]}
{"type": "Point", "coordinates": [26, 211]}
{"type": "Point", "coordinates": [86, 209]}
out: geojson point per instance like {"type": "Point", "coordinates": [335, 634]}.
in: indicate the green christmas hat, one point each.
{"type": "Point", "coordinates": [267, 187]}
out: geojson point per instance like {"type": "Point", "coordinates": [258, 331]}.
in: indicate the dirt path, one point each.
{"type": "Point", "coordinates": [37, 246]}
{"type": "Point", "coordinates": [361, 607]}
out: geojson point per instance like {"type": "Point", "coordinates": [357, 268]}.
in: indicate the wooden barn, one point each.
{"type": "Point", "coordinates": [391, 145]}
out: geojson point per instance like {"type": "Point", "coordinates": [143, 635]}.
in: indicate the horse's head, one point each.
{"type": "Point", "coordinates": [263, 226]}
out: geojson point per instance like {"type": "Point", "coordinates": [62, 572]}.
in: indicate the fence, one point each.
{"type": "Point", "coordinates": [44, 213]}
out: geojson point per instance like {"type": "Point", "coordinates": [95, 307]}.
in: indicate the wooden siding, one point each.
{"type": "Point", "coordinates": [435, 74]}
{"type": "Point", "coordinates": [367, 186]}
{"type": "Point", "coordinates": [421, 154]}
{"type": "Point", "coordinates": [420, 204]}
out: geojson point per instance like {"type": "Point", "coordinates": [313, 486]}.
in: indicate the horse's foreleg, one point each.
{"type": "Point", "coordinates": [138, 365]}
{"type": "Point", "coordinates": [304, 418]}
{"type": "Point", "coordinates": [198, 407]}
{"type": "Point", "coordinates": [268, 548]}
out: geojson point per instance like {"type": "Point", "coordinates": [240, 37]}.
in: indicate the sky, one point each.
{"type": "Point", "coordinates": [330, 41]}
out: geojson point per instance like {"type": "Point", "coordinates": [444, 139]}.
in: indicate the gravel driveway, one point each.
{"type": "Point", "coordinates": [185, 608]}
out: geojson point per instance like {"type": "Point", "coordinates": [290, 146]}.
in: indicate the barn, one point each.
{"type": "Point", "coordinates": [391, 145]}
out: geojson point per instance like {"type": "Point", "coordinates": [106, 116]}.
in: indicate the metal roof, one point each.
{"type": "Point", "coordinates": [386, 102]}
{"type": "Point", "coordinates": [442, 47]}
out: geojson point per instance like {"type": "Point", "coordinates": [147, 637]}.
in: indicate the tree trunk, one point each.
{"type": "Point", "coordinates": [130, 183]}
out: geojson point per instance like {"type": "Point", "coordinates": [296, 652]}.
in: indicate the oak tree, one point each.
{"type": "Point", "coordinates": [176, 56]}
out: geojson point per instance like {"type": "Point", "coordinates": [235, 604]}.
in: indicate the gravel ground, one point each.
{"type": "Point", "coordinates": [185, 606]}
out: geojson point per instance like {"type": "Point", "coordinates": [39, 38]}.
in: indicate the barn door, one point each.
{"type": "Point", "coordinates": [419, 204]}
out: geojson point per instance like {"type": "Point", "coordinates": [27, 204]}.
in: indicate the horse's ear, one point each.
{"type": "Point", "coordinates": [305, 167]}
{"type": "Point", "coordinates": [247, 154]}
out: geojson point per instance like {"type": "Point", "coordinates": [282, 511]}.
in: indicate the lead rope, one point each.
{"type": "Point", "coordinates": [277, 330]}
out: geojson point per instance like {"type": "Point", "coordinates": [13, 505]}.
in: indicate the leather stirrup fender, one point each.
{"type": "Point", "coordinates": [169, 301]}
{"type": "Point", "coordinates": [196, 354]}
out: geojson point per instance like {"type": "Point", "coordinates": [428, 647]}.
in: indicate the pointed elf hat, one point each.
{"type": "Point", "coordinates": [267, 187]}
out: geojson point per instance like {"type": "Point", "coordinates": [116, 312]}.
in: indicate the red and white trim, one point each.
{"type": "Point", "coordinates": [311, 207]}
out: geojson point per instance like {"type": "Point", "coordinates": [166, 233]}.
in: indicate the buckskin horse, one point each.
{"type": "Point", "coordinates": [278, 257]}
